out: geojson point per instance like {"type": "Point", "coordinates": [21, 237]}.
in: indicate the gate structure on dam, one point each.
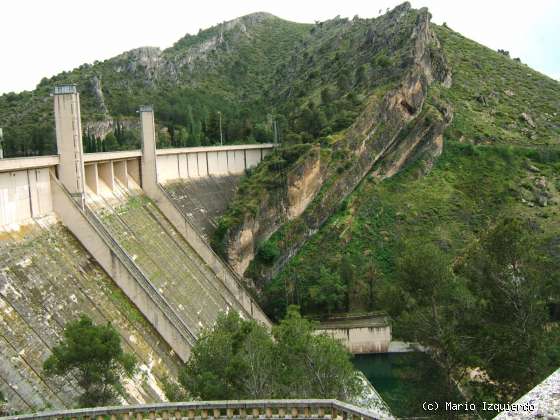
{"type": "Point", "coordinates": [130, 229]}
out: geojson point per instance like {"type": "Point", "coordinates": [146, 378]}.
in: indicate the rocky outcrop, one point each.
{"type": "Point", "coordinates": [100, 129]}
{"type": "Point", "coordinates": [392, 131]}
{"type": "Point", "coordinates": [146, 59]}
{"type": "Point", "coordinates": [303, 183]}
{"type": "Point", "coordinates": [98, 94]}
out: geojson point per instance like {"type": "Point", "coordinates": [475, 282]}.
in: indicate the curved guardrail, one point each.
{"type": "Point", "coordinates": [254, 409]}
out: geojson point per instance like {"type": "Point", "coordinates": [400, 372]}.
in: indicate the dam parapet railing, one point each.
{"type": "Point", "coordinates": [248, 409]}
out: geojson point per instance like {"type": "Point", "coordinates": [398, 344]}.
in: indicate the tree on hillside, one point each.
{"type": "Point", "coordinates": [513, 282]}
{"type": "Point", "coordinates": [94, 356]}
{"type": "Point", "coordinates": [431, 306]}
{"type": "Point", "coordinates": [329, 292]}
{"type": "Point", "coordinates": [311, 365]}
{"type": "Point", "coordinates": [238, 359]}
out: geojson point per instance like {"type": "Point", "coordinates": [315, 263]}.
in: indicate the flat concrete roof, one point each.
{"type": "Point", "coordinates": [101, 156]}
{"type": "Point", "coordinates": [355, 321]}
{"type": "Point", "coordinates": [181, 150]}
{"type": "Point", "coordinates": [22, 163]}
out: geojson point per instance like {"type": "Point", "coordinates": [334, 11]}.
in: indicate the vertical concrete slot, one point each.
{"type": "Point", "coordinates": [92, 178]}
{"type": "Point", "coordinates": [121, 172]}
{"type": "Point", "coordinates": [106, 174]}
{"type": "Point", "coordinates": [133, 170]}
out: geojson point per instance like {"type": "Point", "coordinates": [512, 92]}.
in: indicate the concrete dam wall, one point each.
{"type": "Point", "coordinates": [203, 200]}
{"type": "Point", "coordinates": [192, 289]}
{"type": "Point", "coordinates": [47, 279]}
{"type": "Point", "coordinates": [98, 234]}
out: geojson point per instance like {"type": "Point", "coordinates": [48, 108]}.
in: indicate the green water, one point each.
{"type": "Point", "coordinates": [404, 380]}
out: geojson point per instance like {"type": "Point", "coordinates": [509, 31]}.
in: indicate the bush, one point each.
{"type": "Point", "coordinates": [93, 355]}
{"type": "Point", "coordinates": [268, 252]}
{"type": "Point", "coordinates": [239, 359]}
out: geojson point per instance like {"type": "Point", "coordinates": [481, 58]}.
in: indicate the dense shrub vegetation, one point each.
{"type": "Point", "coordinates": [239, 359]}
{"type": "Point", "coordinates": [93, 355]}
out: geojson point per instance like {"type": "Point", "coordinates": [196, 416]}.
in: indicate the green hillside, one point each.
{"type": "Point", "coordinates": [224, 69]}
{"type": "Point", "coordinates": [496, 164]}
{"type": "Point", "coordinates": [491, 162]}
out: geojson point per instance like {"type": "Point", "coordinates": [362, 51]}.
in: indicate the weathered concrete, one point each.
{"type": "Point", "coordinates": [203, 200]}
{"type": "Point", "coordinates": [149, 158]}
{"type": "Point", "coordinates": [201, 162]}
{"type": "Point", "coordinates": [105, 156]}
{"type": "Point", "coordinates": [542, 402]}
{"type": "Point", "coordinates": [46, 280]}
{"type": "Point", "coordinates": [17, 164]}
{"type": "Point", "coordinates": [155, 192]}
{"type": "Point", "coordinates": [148, 301]}
{"type": "Point", "coordinates": [69, 139]}
{"type": "Point", "coordinates": [24, 194]}
{"type": "Point", "coordinates": [360, 334]}
{"type": "Point", "coordinates": [196, 285]}
{"type": "Point", "coordinates": [294, 409]}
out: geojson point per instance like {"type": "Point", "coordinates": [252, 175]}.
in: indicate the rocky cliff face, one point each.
{"type": "Point", "coordinates": [394, 129]}
{"type": "Point", "coordinates": [100, 129]}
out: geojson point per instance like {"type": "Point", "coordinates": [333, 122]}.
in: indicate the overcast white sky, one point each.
{"type": "Point", "coordinates": [44, 37]}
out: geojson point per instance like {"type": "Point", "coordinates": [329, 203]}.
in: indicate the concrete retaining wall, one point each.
{"type": "Point", "coordinates": [198, 162]}
{"type": "Point", "coordinates": [24, 194]}
{"type": "Point", "coordinates": [363, 340]}
{"type": "Point", "coordinates": [360, 333]}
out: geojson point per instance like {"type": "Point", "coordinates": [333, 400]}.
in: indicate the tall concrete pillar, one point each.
{"type": "Point", "coordinates": [69, 140]}
{"type": "Point", "coordinates": [149, 157]}
{"type": "Point", "coordinates": [1, 143]}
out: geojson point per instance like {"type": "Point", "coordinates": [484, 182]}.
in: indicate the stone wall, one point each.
{"type": "Point", "coordinates": [360, 334]}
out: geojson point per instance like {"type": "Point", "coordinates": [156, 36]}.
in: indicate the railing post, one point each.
{"type": "Point", "coordinates": [178, 415]}
{"type": "Point", "coordinates": [229, 413]}
{"type": "Point", "coordinates": [165, 415]}
{"type": "Point", "coordinates": [204, 413]}
{"type": "Point", "coordinates": [255, 412]}
{"type": "Point", "coordinates": [281, 412]}
{"type": "Point", "coordinates": [139, 416]}
{"type": "Point", "coordinates": [217, 413]}
{"type": "Point", "coordinates": [190, 413]}
{"type": "Point", "coordinates": [242, 412]}
{"type": "Point", "coordinates": [334, 413]}
{"type": "Point", "coordinates": [321, 412]}
{"type": "Point", "coordinates": [126, 416]}
{"type": "Point", "coordinates": [294, 412]}
{"type": "Point", "coordinates": [268, 412]}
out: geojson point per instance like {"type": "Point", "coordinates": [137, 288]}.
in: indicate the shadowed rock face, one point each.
{"type": "Point", "coordinates": [46, 280]}
{"type": "Point", "coordinates": [395, 128]}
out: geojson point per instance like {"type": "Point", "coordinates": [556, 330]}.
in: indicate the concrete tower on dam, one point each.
{"type": "Point", "coordinates": [69, 140]}
{"type": "Point", "coordinates": [100, 234]}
